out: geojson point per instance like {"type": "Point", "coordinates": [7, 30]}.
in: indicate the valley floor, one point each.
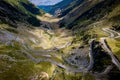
{"type": "Point", "coordinates": [49, 53]}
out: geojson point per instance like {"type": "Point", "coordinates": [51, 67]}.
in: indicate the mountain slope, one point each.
{"type": "Point", "coordinates": [28, 45]}
{"type": "Point", "coordinates": [79, 10]}
{"type": "Point", "coordinates": [98, 14]}
{"type": "Point", "coordinates": [18, 11]}
{"type": "Point", "coordinates": [71, 6]}
{"type": "Point", "coordinates": [93, 11]}
{"type": "Point", "coordinates": [17, 20]}
{"type": "Point", "coordinates": [33, 47]}
{"type": "Point", "coordinates": [88, 21]}
{"type": "Point", "coordinates": [61, 5]}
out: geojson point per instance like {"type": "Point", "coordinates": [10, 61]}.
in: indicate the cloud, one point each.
{"type": "Point", "coordinates": [45, 2]}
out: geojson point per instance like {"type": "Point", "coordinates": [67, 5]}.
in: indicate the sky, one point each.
{"type": "Point", "coordinates": [45, 2]}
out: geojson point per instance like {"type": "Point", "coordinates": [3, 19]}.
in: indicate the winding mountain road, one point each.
{"type": "Point", "coordinates": [68, 68]}
{"type": "Point", "coordinates": [53, 62]}
{"type": "Point", "coordinates": [106, 47]}
{"type": "Point", "coordinates": [91, 62]}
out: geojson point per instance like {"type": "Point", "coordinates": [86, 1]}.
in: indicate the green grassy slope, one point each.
{"type": "Point", "coordinates": [19, 33]}
{"type": "Point", "coordinates": [87, 21]}
{"type": "Point", "coordinates": [98, 15]}
{"type": "Point", "coordinates": [18, 36]}
{"type": "Point", "coordinates": [79, 10]}
{"type": "Point", "coordinates": [17, 16]}
{"type": "Point", "coordinates": [89, 24]}
{"type": "Point", "coordinates": [13, 11]}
